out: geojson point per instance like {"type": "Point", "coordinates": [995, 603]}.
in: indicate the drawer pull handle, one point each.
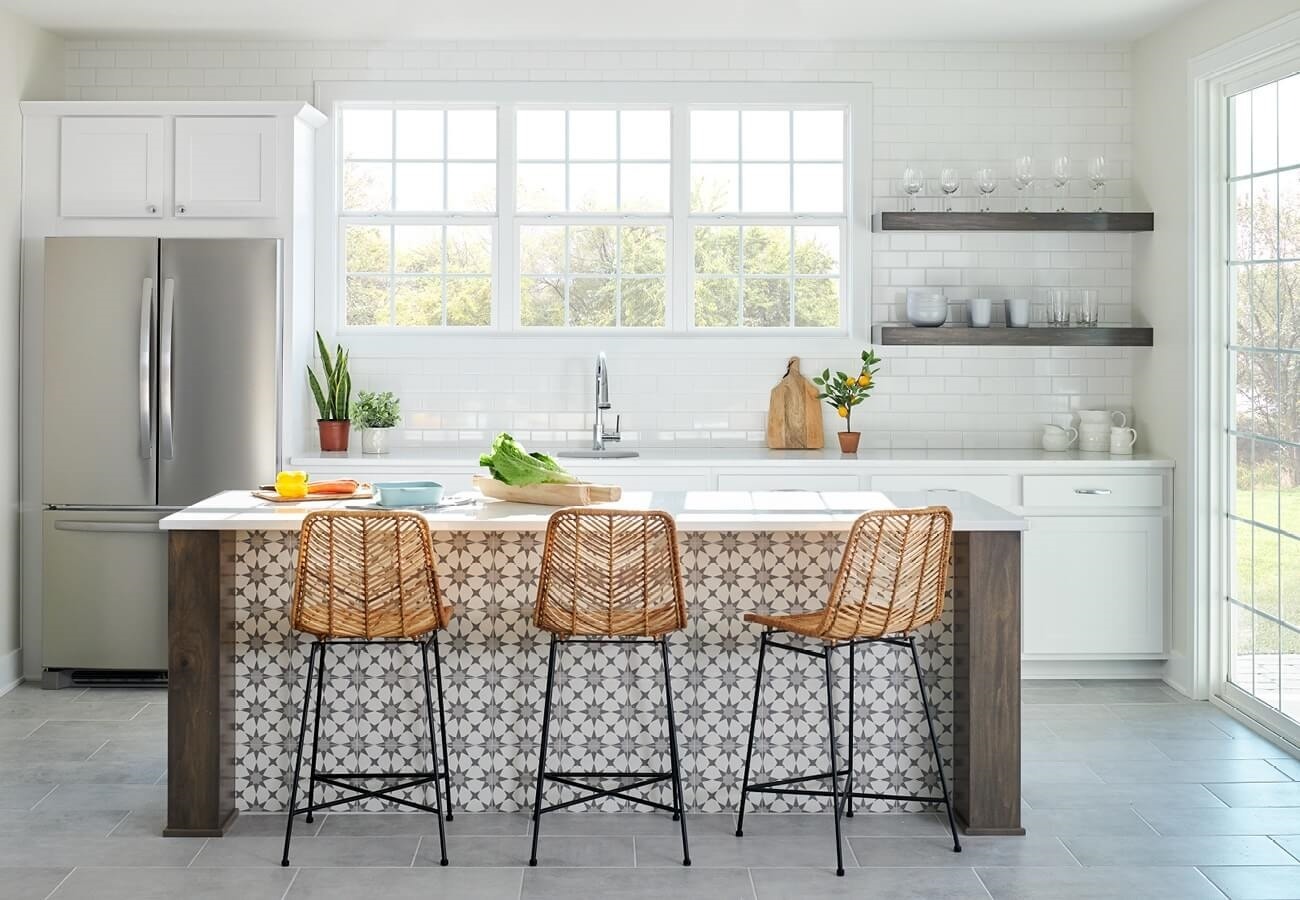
{"type": "Point", "coordinates": [1093, 492]}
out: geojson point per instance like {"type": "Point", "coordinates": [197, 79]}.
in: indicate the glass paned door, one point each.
{"type": "Point", "coordinates": [1263, 395]}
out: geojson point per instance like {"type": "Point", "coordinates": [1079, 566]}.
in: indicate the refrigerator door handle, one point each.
{"type": "Point", "coordinates": [130, 527]}
{"type": "Point", "coordinates": [165, 437]}
{"type": "Point", "coordinates": [146, 370]}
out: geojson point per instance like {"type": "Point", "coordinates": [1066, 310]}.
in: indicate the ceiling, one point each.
{"type": "Point", "coordinates": [946, 20]}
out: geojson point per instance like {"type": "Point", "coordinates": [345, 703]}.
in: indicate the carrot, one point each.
{"type": "Point", "coordinates": [337, 486]}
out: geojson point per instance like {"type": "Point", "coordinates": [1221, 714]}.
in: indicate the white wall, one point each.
{"type": "Point", "coordinates": [30, 69]}
{"type": "Point", "coordinates": [952, 103]}
{"type": "Point", "coordinates": [1162, 164]}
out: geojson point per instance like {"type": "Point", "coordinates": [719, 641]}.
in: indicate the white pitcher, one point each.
{"type": "Point", "coordinates": [1055, 438]}
{"type": "Point", "coordinates": [1102, 417]}
{"type": "Point", "coordinates": [1122, 440]}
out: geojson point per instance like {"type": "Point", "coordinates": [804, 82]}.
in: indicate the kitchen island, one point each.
{"type": "Point", "coordinates": [235, 665]}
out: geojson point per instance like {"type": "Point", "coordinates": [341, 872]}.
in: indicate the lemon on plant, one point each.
{"type": "Point", "coordinates": [864, 380]}
{"type": "Point", "coordinates": [843, 411]}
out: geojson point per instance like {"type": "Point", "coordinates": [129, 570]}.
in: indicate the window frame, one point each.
{"type": "Point", "coordinates": [505, 332]}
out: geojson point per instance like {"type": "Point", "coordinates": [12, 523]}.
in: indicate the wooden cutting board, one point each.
{"type": "Point", "coordinates": [794, 414]}
{"type": "Point", "coordinates": [548, 494]}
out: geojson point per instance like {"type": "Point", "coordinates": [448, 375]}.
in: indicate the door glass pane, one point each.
{"type": "Point", "coordinates": [1262, 393]}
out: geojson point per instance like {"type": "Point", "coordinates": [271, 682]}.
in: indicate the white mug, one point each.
{"type": "Point", "coordinates": [981, 312]}
{"type": "Point", "coordinates": [1122, 440]}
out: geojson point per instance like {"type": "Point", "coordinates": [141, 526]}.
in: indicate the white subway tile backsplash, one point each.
{"type": "Point", "coordinates": [934, 104]}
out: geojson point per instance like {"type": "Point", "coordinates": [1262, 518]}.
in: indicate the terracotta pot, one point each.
{"type": "Point", "coordinates": [333, 434]}
{"type": "Point", "coordinates": [849, 441]}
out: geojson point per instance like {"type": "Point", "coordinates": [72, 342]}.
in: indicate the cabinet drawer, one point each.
{"type": "Point", "coordinates": [1093, 491]}
{"type": "Point", "coordinates": [993, 488]}
{"type": "Point", "coordinates": [742, 481]}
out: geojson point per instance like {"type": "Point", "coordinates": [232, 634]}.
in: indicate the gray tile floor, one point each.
{"type": "Point", "coordinates": [1130, 792]}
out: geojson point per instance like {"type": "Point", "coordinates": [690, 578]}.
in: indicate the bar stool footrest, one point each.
{"type": "Point", "coordinates": [644, 779]}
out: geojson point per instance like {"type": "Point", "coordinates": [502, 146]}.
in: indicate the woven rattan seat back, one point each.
{"type": "Point", "coordinates": [610, 572]}
{"type": "Point", "coordinates": [366, 574]}
{"type": "Point", "coordinates": [893, 574]}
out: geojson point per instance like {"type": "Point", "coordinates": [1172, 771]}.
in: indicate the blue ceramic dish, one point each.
{"type": "Point", "coordinates": [396, 494]}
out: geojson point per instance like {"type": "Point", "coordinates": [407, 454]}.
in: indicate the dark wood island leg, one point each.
{"type": "Point", "coordinates": [986, 681]}
{"type": "Point", "coordinates": [200, 685]}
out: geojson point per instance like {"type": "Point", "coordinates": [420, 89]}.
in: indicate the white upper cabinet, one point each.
{"type": "Point", "coordinates": [112, 167]}
{"type": "Point", "coordinates": [225, 167]}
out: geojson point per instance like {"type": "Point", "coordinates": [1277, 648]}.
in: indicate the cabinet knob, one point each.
{"type": "Point", "coordinates": [180, 210]}
{"type": "Point", "coordinates": [151, 209]}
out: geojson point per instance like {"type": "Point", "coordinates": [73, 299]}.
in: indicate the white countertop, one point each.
{"type": "Point", "coordinates": [759, 457]}
{"type": "Point", "coordinates": [693, 510]}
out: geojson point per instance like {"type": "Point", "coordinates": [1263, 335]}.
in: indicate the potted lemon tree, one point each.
{"type": "Point", "coordinates": [844, 391]}
{"type": "Point", "coordinates": [376, 415]}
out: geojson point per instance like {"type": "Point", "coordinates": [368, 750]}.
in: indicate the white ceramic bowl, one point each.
{"type": "Point", "coordinates": [927, 311]}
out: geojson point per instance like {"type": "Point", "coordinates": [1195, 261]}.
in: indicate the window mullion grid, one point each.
{"type": "Point", "coordinates": [618, 229]}
{"type": "Point", "coordinates": [507, 308]}
{"type": "Point", "coordinates": [679, 306]}
{"type": "Point", "coordinates": [392, 274]}
{"type": "Point", "coordinates": [790, 151]}
{"type": "Point", "coordinates": [442, 280]}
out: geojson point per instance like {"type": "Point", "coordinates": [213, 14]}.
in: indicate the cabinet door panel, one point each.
{"type": "Point", "coordinates": [111, 167]}
{"type": "Point", "coordinates": [1094, 586]}
{"type": "Point", "coordinates": [225, 166]}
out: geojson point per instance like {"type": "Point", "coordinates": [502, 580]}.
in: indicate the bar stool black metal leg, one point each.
{"type": "Point", "coordinates": [297, 760]}
{"type": "Point", "coordinates": [753, 723]}
{"type": "Point", "coordinates": [541, 753]}
{"type": "Point", "coordinates": [934, 742]}
{"type": "Point", "coordinates": [679, 795]}
{"type": "Point", "coordinates": [433, 751]}
{"type": "Point", "coordinates": [853, 719]}
{"type": "Point", "coordinates": [442, 722]}
{"type": "Point", "coordinates": [835, 765]}
{"type": "Point", "coordinates": [315, 731]}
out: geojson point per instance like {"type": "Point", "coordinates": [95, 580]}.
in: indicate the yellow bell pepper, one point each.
{"type": "Point", "coordinates": [291, 485]}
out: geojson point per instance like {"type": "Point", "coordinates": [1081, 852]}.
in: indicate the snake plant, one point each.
{"type": "Point", "coordinates": [334, 402]}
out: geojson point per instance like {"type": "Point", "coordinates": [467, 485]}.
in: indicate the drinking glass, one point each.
{"type": "Point", "coordinates": [1024, 176]}
{"type": "Point", "coordinates": [1058, 307]}
{"type": "Point", "coordinates": [949, 183]}
{"type": "Point", "coordinates": [1061, 177]}
{"type": "Point", "coordinates": [913, 181]}
{"type": "Point", "coordinates": [987, 183]}
{"type": "Point", "coordinates": [1097, 177]}
{"type": "Point", "coordinates": [1089, 311]}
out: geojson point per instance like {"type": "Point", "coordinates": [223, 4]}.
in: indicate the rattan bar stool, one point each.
{"type": "Point", "coordinates": [610, 577]}
{"type": "Point", "coordinates": [364, 578]}
{"type": "Point", "coordinates": [891, 581]}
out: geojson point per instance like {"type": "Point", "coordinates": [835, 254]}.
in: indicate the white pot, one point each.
{"type": "Point", "coordinates": [374, 440]}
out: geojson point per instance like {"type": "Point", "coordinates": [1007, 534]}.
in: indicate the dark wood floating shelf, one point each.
{"type": "Point", "coordinates": [1015, 221]}
{"type": "Point", "coordinates": [1001, 336]}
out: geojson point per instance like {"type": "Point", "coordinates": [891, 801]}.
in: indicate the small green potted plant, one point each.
{"type": "Point", "coordinates": [333, 396]}
{"type": "Point", "coordinates": [375, 414]}
{"type": "Point", "coordinates": [844, 391]}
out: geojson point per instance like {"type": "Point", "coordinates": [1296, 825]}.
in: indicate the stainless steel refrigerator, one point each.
{"type": "Point", "coordinates": [161, 387]}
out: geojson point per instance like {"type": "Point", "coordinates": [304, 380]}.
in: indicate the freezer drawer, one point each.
{"type": "Point", "coordinates": [104, 590]}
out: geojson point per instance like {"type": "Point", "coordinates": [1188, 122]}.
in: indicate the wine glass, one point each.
{"type": "Point", "coordinates": [1024, 176]}
{"type": "Point", "coordinates": [1061, 177]}
{"type": "Point", "coordinates": [913, 181]}
{"type": "Point", "coordinates": [1097, 177]}
{"type": "Point", "coordinates": [987, 183]}
{"type": "Point", "coordinates": [949, 183]}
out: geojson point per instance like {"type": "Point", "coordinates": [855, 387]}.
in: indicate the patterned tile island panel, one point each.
{"type": "Point", "coordinates": [608, 702]}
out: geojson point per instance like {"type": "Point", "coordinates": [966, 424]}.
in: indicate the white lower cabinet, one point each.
{"type": "Point", "coordinates": [1094, 587]}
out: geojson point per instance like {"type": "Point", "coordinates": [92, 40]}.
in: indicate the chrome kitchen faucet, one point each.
{"type": "Point", "coordinates": [598, 433]}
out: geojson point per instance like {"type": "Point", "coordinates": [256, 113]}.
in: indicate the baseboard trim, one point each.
{"type": "Point", "coordinates": [11, 671]}
{"type": "Point", "coordinates": [1093, 669]}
